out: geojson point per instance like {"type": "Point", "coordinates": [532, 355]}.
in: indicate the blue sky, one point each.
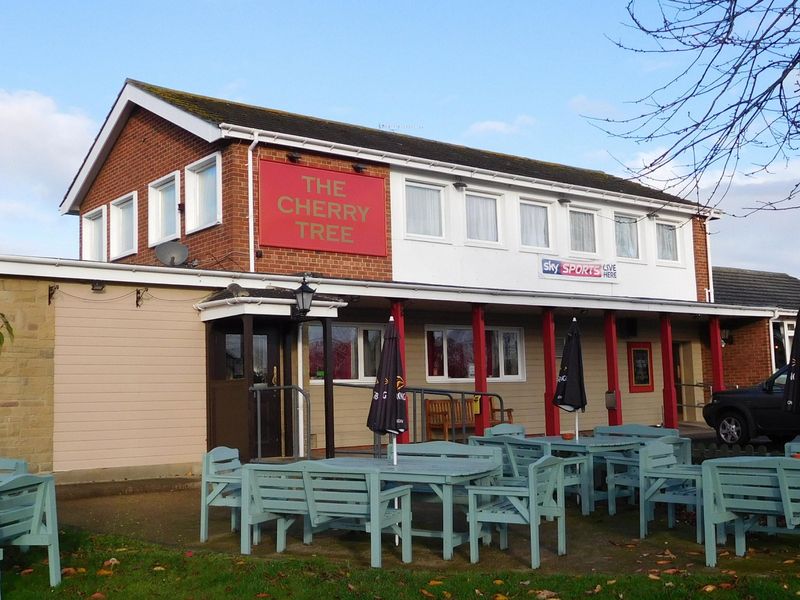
{"type": "Point", "coordinates": [512, 76]}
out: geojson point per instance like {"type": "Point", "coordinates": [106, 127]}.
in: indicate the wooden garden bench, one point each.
{"type": "Point", "coordinates": [745, 490]}
{"type": "Point", "coordinates": [450, 416]}
{"type": "Point", "coordinates": [519, 453]}
{"type": "Point", "coordinates": [326, 497]}
{"type": "Point", "coordinates": [28, 516]}
{"type": "Point", "coordinates": [220, 485]}
{"type": "Point", "coordinates": [541, 496]}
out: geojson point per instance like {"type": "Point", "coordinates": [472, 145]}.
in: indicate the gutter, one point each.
{"type": "Point", "coordinates": [250, 204]}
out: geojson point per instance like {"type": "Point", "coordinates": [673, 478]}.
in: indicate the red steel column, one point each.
{"type": "Point", "coordinates": [715, 342]}
{"type": "Point", "coordinates": [668, 373]}
{"type": "Point", "coordinates": [398, 313]}
{"type": "Point", "coordinates": [552, 425]}
{"type": "Point", "coordinates": [479, 356]}
{"type": "Point", "coordinates": [612, 367]}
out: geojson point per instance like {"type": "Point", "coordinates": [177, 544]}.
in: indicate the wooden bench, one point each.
{"type": "Point", "coordinates": [743, 491]}
{"type": "Point", "coordinates": [28, 516]}
{"type": "Point", "coordinates": [451, 416]}
{"type": "Point", "coordinates": [542, 496]}
{"type": "Point", "coordinates": [519, 453]}
{"type": "Point", "coordinates": [326, 497]}
{"type": "Point", "coordinates": [220, 485]}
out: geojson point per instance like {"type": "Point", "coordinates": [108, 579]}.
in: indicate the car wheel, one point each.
{"type": "Point", "coordinates": [732, 429]}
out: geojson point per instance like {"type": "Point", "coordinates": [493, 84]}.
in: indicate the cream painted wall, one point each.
{"type": "Point", "coordinates": [130, 383]}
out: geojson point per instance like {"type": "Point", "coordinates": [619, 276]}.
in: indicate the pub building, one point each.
{"type": "Point", "coordinates": [200, 217]}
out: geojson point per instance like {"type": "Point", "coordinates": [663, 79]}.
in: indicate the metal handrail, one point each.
{"type": "Point", "coordinates": [298, 392]}
{"type": "Point", "coordinates": [422, 392]}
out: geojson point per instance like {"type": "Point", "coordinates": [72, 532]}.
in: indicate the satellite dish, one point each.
{"type": "Point", "coordinates": [172, 254]}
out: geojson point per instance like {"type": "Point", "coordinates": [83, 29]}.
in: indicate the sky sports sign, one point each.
{"type": "Point", "coordinates": [606, 272]}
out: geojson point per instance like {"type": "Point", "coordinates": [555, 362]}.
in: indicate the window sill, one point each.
{"type": "Point", "coordinates": [535, 250]}
{"type": "Point", "coordinates": [169, 238]}
{"type": "Point", "coordinates": [483, 244]}
{"type": "Point", "coordinates": [122, 255]}
{"type": "Point", "coordinates": [412, 237]}
{"type": "Point", "coordinates": [202, 227]}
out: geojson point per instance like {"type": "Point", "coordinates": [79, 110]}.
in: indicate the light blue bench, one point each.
{"type": "Point", "coordinates": [750, 493]}
{"type": "Point", "coordinates": [28, 516]}
{"type": "Point", "coordinates": [541, 497]}
{"type": "Point", "coordinates": [505, 429]}
{"type": "Point", "coordinates": [220, 485]}
{"type": "Point", "coordinates": [12, 466]}
{"type": "Point", "coordinates": [792, 447]}
{"type": "Point", "coordinates": [326, 497]}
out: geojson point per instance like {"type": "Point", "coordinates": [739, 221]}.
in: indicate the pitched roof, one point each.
{"type": "Point", "coordinates": [744, 287]}
{"type": "Point", "coordinates": [216, 111]}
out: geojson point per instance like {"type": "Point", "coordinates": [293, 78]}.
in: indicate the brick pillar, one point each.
{"type": "Point", "coordinates": [715, 345]}
{"type": "Point", "coordinates": [612, 366]}
{"type": "Point", "coordinates": [668, 373]}
{"type": "Point", "coordinates": [399, 315]}
{"type": "Point", "coordinates": [479, 356]}
{"type": "Point", "coordinates": [552, 425]}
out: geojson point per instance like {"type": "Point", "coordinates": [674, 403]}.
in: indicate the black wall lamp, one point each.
{"type": "Point", "coordinates": [303, 296]}
{"type": "Point", "coordinates": [98, 286]}
{"type": "Point", "coordinates": [460, 185]}
{"type": "Point", "coordinates": [359, 168]}
{"type": "Point", "coordinates": [293, 157]}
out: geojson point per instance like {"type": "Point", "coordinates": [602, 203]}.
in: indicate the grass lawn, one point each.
{"type": "Point", "coordinates": [111, 567]}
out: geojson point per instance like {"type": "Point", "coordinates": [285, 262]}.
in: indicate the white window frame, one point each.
{"type": "Point", "coordinates": [498, 331]}
{"type": "Point", "coordinates": [360, 327]}
{"type": "Point", "coordinates": [442, 200]}
{"type": "Point", "coordinates": [677, 228]}
{"type": "Point", "coordinates": [595, 216]}
{"type": "Point", "coordinates": [498, 198]}
{"type": "Point", "coordinates": [546, 205]}
{"type": "Point", "coordinates": [154, 236]}
{"type": "Point", "coordinates": [115, 226]}
{"type": "Point", "coordinates": [191, 200]}
{"type": "Point", "coordinates": [87, 233]}
{"type": "Point", "coordinates": [638, 220]}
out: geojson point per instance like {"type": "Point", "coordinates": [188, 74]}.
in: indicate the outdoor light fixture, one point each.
{"type": "Point", "coordinates": [98, 286]}
{"type": "Point", "coordinates": [359, 168]}
{"type": "Point", "coordinates": [460, 185]}
{"type": "Point", "coordinates": [293, 157]}
{"type": "Point", "coordinates": [563, 200]}
{"type": "Point", "coordinates": [303, 297]}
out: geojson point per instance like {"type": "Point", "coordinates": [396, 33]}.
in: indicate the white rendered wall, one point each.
{"type": "Point", "coordinates": [454, 260]}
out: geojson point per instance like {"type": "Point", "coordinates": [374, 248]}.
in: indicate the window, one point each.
{"type": "Point", "coordinates": [482, 218]}
{"type": "Point", "coordinates": [204, 193]}
{"type": "Point", "coordinates": [123, 221]}
{"type": "Point", "coordinates": [356, 352]}
{"type": "Point", "coordinates": [626, 231]}
{"type": "Point", "coordinates": [667, 240]}
{"type": "Point", "coordinates": [424, 210]}
{"type": "Point", "coordinates": [93, 235]}
{"type": "Point", "coordinates": [449, 353]}
{"type": "Point", "coordinates": [162, 207]}
{"type": "Point", "coordinates": [581, 231]}
{"type": "Point", "coordinates": [534, 225]}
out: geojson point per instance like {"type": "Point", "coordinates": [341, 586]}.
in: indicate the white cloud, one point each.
{"type": "Point", "coordinates": [583, 105]}
{"type": "Point", "coordinates": [501, 127]}
{"type": "Point", "coordinates": [41, 148]}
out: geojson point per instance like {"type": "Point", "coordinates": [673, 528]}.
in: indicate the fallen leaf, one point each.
{"type": "Point", "coordinates": [726, 586]}
{"type": "Point", "coordinates": [478, 592]}
{"type": "Point", "coordinates": [68, 571]}
{"type": "Point", "coordinates": [351, 587]}
{"type": "Point", "coordinates": [446, 594]}
{"type": "Point", "coordinates": [498, 582]}
{"type": "Point", "coordinates": [426, 593]}
{"type": "Point", "coordinates": [263, 595]}
{"type": "Point", "coordinates": [526, 582]}
{"type": "Point", "coordinates": [544, 594]}
{"type": "Point", "coordinates": [597, 589]}
{"type": "Point", "coordinates": [26, 572]}
{"type": "Point", "coordinates": [105, 572]}
{"type": "Point", "coordinates": [663, 562]}
{"type": "Point", "coordinates": [669, 584]}
{"type": "Point", "coordinates": [97, 596]}
{"type": "Point", "coordinates": [653, 576]}
{"type": "Point", "coordinates": [791, 561]}
{"type": "Point", "coordinates": [435, 582]}
{"type": "Point", "coordinates": [709, 588]}
{"type": "Point", "coordinates": [111, 562]}
{"type": "Point", "coordinates": [611, 582]}
{"type": "Point", "coordinates": [499, 596]}
{"type": "Point", "coordinates": [159, 568]}
{"type": "Point", "coordinates": [81, 570]}
{"type": "Point", "coordinates": [188, 554]}
{"type": "Point", "coordinates": [670, 571]}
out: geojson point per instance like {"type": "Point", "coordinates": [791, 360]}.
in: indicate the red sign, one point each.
{"type": "Point", "coordinates": [317, 209]}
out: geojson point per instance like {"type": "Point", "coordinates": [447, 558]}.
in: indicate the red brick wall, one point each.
{"type": "Point", "coordinates": [702, 277]}
{"type": "Point", "coordinates": [745, 361]}
{"type": "Point", "coordinates": [150, 147]}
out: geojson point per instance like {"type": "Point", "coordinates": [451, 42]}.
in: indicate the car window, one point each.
{"type": "Point", "coordinates": [780, 380]}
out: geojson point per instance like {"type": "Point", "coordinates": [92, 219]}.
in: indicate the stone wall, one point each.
{"type": "Point", "coordinates": [26, 374]}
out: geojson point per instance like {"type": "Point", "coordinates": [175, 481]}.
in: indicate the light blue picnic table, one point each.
{"type": "Point", "coordinates": [440, 474]}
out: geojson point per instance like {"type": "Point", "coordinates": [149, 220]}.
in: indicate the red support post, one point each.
{"type": "Point", "coordinates": [612, 367]}
{"type": "Point", "coordinates": [398, 313]}
{"type": "Point", "coordinates": [552, 425]}
{"type": "Point", "coordinates": [479, 356]}
{"type": "Point", "coordinates": [668, 373]}
{"type": "Point", "coordinates": [715, 342]}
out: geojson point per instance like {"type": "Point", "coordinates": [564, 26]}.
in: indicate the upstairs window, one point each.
{"type": "Point", "coordinates": [534, 225]}
{"type": "Point", "coordinates": [93, 235]}
{"type": "Point", "coordinates": [581, 232]}
{"type": "Point", "coordinates": [162, 208]}
{"type": "Point", "coordinates": [449, 353]}
{"type": "Point", "coordinates": [204, 193]}
{"type": "Point", "coordinates": [123, 226]}
{"type": "Point", "coordinates": [356, 352]}
{"type": "Point", "coordinates": [424, 210]}
{"type": "Point", "coordinates": [667, 241]}
{"type": "Point", "coordinates": [482, 218]}
{"type": "Point", "coordinates": [626, 232]}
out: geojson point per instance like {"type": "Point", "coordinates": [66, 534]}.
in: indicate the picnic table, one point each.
{"type": "Point", "coordinates": [440, 474]}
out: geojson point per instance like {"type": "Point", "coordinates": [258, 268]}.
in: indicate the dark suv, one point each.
{"type": "Point", "coordinates": [739, 415]}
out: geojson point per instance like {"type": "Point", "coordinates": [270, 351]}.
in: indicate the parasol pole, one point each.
{"type": "Point", "coordinates": [394, 449]}
{"type": "Point", "coordinates": [577, 431]}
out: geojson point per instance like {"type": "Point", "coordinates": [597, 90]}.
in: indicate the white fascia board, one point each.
{"type": "Point", "coordinates": [452, 169]}
{"type": "Point", "coordinates": [274, 307]}
{"type": "Point", "coordinates": [128, 97]}
{"type": "Point", "coordinates": [70, 269]}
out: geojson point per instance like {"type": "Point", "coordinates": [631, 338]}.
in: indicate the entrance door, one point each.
{"type": "Point", "coordinates": [243, 351]}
